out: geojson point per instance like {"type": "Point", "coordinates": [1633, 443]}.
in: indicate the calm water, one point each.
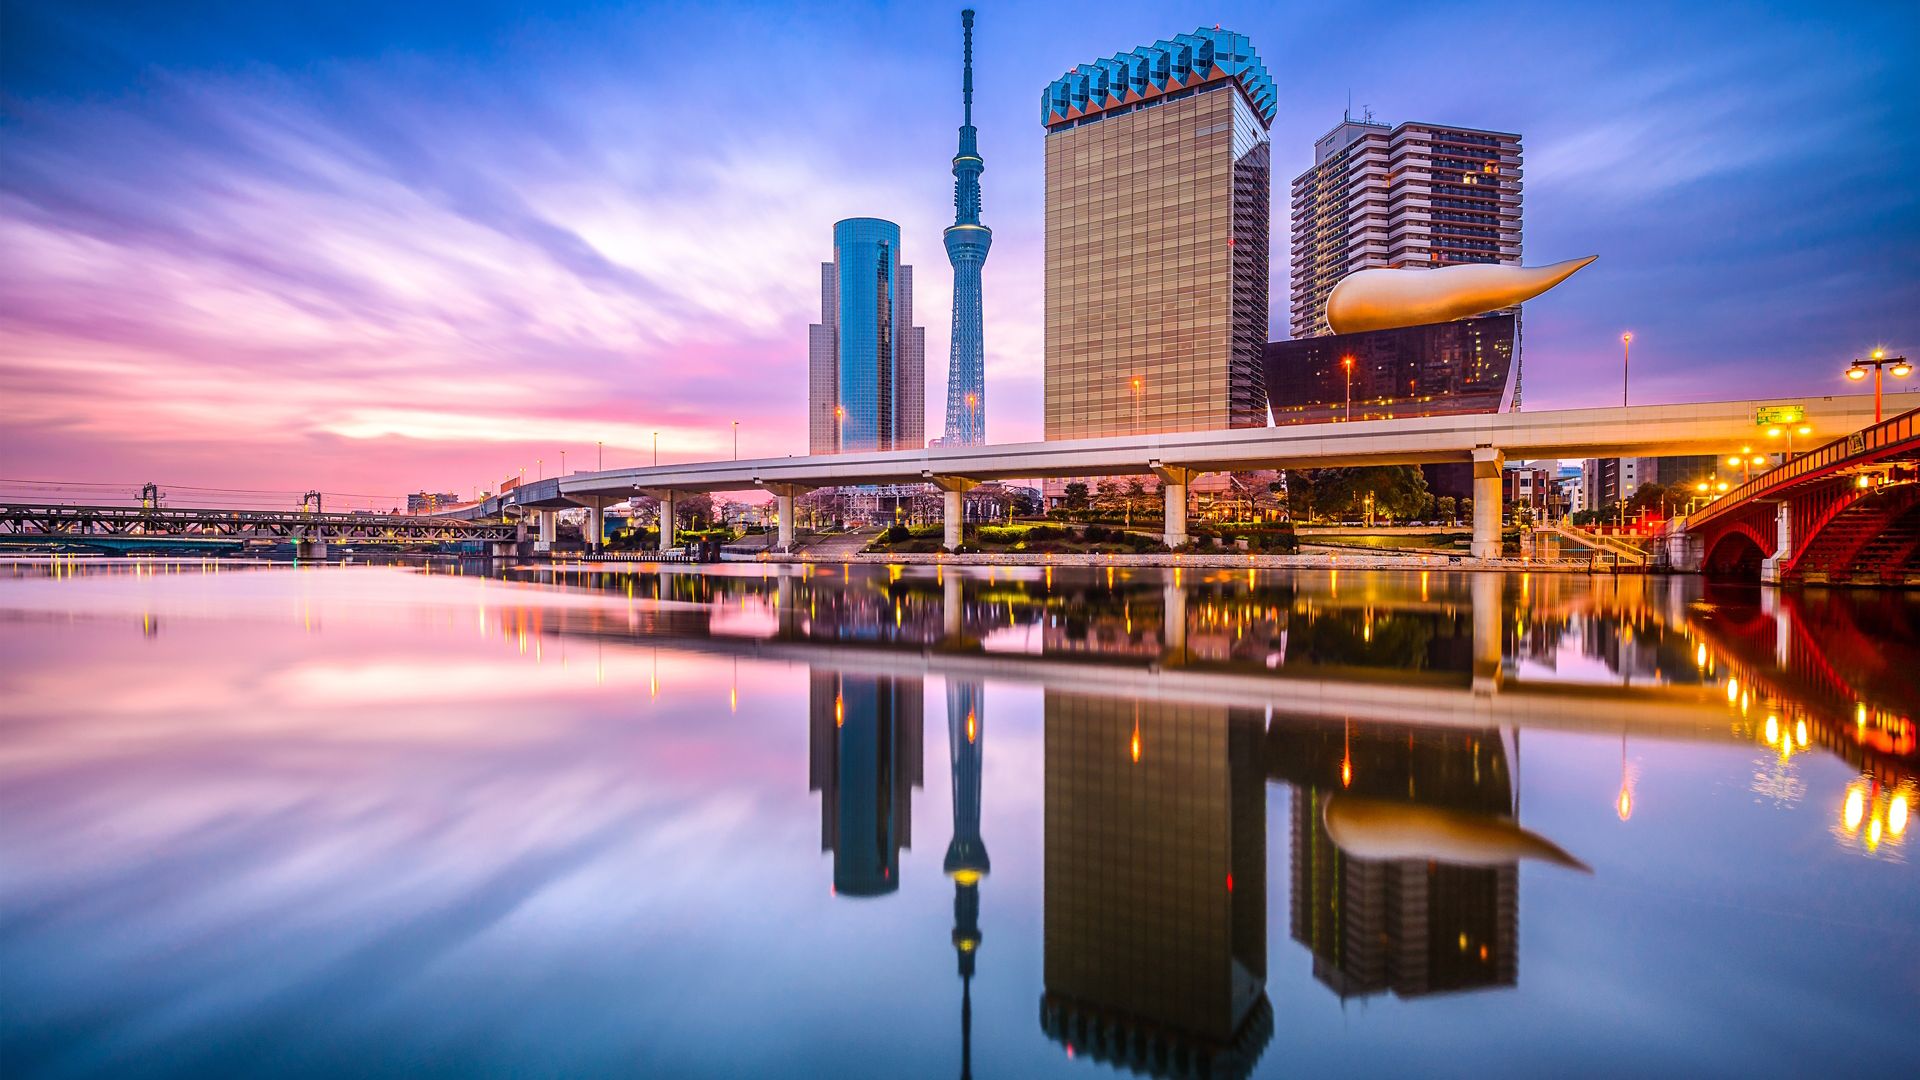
{"type": "Point", "coordinates": [378, 821]}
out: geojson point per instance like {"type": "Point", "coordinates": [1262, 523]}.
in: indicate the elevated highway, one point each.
{"type": "Point", "coordinates": [1485, 440]}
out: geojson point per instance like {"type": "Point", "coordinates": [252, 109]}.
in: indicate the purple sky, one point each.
{"type": "Point", "coordinates": [374, 248]}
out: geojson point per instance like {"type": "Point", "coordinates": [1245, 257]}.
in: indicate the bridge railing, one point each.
{"type": "Point", "coordinates": [1862, 443]}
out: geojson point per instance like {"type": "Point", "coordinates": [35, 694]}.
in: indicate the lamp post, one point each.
{"type": "Point", "coordinates": [973, 422]}
{"type": "Point", "coordinates": [1347, 363]}
{"type": "Point", "coordinates": [563, 463]}
{"type": "Point", "coordinates": [1626, 349]}
{"type": "Point", "coordinates": [736, 440]}
{"type": "Point", "coordinates": [1877, 361]}
{"type": "Point", "coordinates": [656, 449]}
{"type": "Point", "coordinates": [599, 455]}
{"type": "Point", "coordinates": [1137, 386]}
{"type": "Point", "coordinates": [1789, 432]}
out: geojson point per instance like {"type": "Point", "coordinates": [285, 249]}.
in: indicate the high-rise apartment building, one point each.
{"type": "Point", "coordinates": [967, 242]}
{"type": "Point", "coordinates": [864, 757]}
{"type": "Point", "coordinates": [1158, 175]}
{"type": "Point", "coordinates": [1416, 195]}
{"type": "Point", "coordinates": [866, 361]}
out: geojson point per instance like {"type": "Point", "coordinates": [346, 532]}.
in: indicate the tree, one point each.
{"type": "Point", "coordinates": [1447, 507]}
{"type": "Point", "coordinates": [1136, 496]}
{"type": "Point", "coordinates": [1108, 494]}
{"type": "Point", "coordinates": [692, 511]}
{"type": "Point", "coordinates": [1399, 491]}
{"type": "Point", "coordinates": [1650, 497]}
{"type": "Point", "coordinates": [1076, 499]}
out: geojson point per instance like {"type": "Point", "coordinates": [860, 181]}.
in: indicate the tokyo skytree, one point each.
{"type": "Point", "coordinates": [967, 243]}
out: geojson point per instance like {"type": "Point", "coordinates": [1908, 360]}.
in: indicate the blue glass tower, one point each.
{"type": "Point", "coordinates": [967, 243]}
{"type": "Point", "coordinates": [866, 359]}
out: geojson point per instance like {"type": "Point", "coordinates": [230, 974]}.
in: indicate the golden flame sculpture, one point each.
{"type": "Point", "coordinates": [1385, 299]}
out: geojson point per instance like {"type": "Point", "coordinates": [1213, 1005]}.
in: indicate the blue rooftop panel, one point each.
{"type": "Point", "coordinates": [1152, 70]}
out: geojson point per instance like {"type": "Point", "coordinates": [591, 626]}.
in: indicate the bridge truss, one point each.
{"type": "Point", "coordinates": [80, 523]}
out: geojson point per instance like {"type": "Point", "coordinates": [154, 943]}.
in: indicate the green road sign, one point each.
{"type": "Point", "coordinates": [1779, 414]}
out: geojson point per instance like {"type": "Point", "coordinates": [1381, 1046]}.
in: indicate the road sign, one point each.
{"type": "Point", "coordinates": [1779, 414]}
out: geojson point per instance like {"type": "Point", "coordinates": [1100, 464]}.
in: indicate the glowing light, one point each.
{"type": "Point", "coordinates": [1733, 690]}
{"type": "Point", "coordinates": [1624, 805]}
{"type": "Point", "coordinates": [1800, 732]}
{"type": "Point", "coordinates": [1773, 729]}
{"type": "Point", "coordinates": [1136, 743]}
{"type": "Point", "coordinates": [1897, 815]}
{"type": "Point", "coordinates": [839, 710]}
{"type": "Point", "coordinates": [1346, 772]}
{"type": "Point", "coordinates": [1856, 808]}
{"type": "Point", "coordinates": [973, 726]}
{"type": "Point", "coordinates": [1700, 655]}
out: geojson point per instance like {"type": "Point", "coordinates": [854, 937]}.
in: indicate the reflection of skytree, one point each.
{"type": "Point", "coordinates": [864, 758]}
{"type": "Point", "coordinates": [967, 855]}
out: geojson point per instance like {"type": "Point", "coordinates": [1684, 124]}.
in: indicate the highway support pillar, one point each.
{"type": "Point", "coordinates": [1173, 490]}
{"type": "Point", "coordinates": [595, 532]}
{"type": "Point", "coordinates": [953, 514]}
{"type": "Point", "coordinates": [1487, 494]}
{"type": "Point", "coordinates": [665, 497]}
{"type": "Point", "coordinates": [1773, 567]}
{"type": "Point", "coordinates": [549, 530]}
{"type": "Point", "coordinates": [783, 496]}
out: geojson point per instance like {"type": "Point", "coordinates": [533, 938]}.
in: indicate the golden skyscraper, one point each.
{"type": "Point", "coordinates": [1158, 190]}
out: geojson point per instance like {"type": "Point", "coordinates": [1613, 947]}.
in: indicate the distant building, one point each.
{"type": "Point", "coordinates": [1529, 484]}
{"type": "Point", "coordinates": [427, 502]}
{"type": "Point", "coordinates": [1573, 493]}
{"type": "Point", "coordinates": [1416, 195]}
{"type": "Point", "coordinates": [866, 360]}
{"type": "Point", "coordinates": [1158, 178]}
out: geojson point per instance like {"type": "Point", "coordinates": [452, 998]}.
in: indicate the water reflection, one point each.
{"type": "Point", "coordinates": [347, 723]}
{"type": "Point", "coordinates": [865, 760]}
{"type": "Point", "coordinates": [1155, 938]}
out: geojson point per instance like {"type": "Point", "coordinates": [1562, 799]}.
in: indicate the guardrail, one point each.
{"type": "Point", "coordinates": [1887, 433]}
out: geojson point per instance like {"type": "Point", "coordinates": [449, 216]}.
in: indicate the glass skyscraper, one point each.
{"type": "Point", "coordinates": [866, 359]}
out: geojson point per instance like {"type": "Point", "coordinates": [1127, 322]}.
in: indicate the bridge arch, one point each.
{"type": "Point", "coordinates": [1736, 555]}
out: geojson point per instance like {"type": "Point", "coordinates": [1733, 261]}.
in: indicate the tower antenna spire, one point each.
{"type": "Point", "coordinates": [966, 82]}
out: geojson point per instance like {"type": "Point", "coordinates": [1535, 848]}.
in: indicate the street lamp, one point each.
{"type": "Point", "coordinates": [736, 440]}
{"type": "Point", "coordinates": [656, 449]}
{"type": "Point", "coordinates": [599, 455]}
{"type": "Point", "coordinates": [1626, 349]}
{"type": "Point", "coordinates": [1347, 363]}
{"type": "Point", "coordinates": [973, 422]}
{"type": "Point", "coordinates": [1898, 366]}
{"type": "Point", "coordinates": [1138, 386]}
{"type": "Point", "coordinates": [1789, 432]}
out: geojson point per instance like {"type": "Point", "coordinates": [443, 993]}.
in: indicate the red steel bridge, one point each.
{"type": "Point", "coordinates": [1846, 513]}
{"type": "Point", "coordinates": [134, 527]}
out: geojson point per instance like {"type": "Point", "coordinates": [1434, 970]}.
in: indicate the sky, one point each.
{"type": "Point", "coordinates": [378, 248]}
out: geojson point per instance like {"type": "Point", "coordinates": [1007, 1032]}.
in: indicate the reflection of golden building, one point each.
{"type": "Point", "coordinates": [864, 757]}
{"type": "Point", "coordinates": [1405, 925]}
{"type": "Point", "coordinates": [1155, 953]}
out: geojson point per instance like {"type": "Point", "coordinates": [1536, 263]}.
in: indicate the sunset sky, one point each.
{"type": "Point", "coordinates": [375, 248]}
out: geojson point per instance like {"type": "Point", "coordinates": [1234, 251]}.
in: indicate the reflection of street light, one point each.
{"type": "Point", "coordinates": [1878, 360]}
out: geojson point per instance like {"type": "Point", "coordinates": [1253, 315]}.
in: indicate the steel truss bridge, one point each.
{"type": "Point", "coordinates": [116, 525]}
